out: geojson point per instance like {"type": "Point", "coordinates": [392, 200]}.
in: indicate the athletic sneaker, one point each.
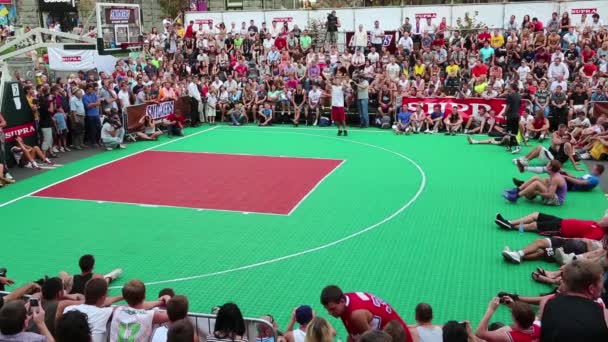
{"type": "Point", "coordinates": [585, 156]}
{"type": "Point", "coordinates": [502, 222]}
{"type": "Point", "coordinates": [562, 258]}
{"type": "Point", "coordinates": [454, 133]}
{"type": "Point", "coordinates": [345, 133]}
{"type": "Point", "coordinates": [518, 182]}
{"type": "Point", "coordinates": [109, 149]}
{"type": "Point", "coordinates": [466, 131]}
{"type": "Point", "coordinates": [448, 133]}
{"type": "Point", "coordinates": [339, 133]}
{"type": "Point", "coordinates": [511, 256]}
{"type": "Point", "coordinates": [54, 149]}
{"type": "Point", "coordinates": [115, 274]}
{"type": "Point", "coordinates": [8, 176]}
{"type": "Point", "coordinates": [510, 196]}
{"type": "Point", "coordinates": [541, 138]}
{"type": "Point", "coordinates": [516, 149]}
{"type": "Point", "coordinates": [428, 131]}
{"type": "Point", "coordinates": [67, 149]}
{"type": "Point", "coordinates": [122, 146]}
{"type": "Point", "coordinates": [520, 166]}
{"type": "Point", "coordinates": [61, 149]}
{"type": "Point", "coordinates": [314, 123]}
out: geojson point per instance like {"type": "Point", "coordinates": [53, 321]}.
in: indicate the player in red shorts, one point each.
{"type": "Point", "coordinates": [338, 116]}
{"type": "Point", "coordinates": [360, 311]}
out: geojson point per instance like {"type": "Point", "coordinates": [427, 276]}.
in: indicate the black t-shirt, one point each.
{"type": "Point", "coordinates": [79, 283]}
{"type": "Point", "coordinates": [571, 55]}
{"type": "Point", "coordinates": [571, 318]}
{"type": "Point", "coordinates": [514, 102]}
{"type": "Point", "coordinates": [46, 118]}
{"type": "Point", "coordinates": [540, 71]}
{"type": "Point", "coordinates": [579, 99]}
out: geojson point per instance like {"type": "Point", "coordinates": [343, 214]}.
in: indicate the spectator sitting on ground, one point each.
{"type": "Point", "coordinates": [552, 190]}
{"type": "Point", "coordinates": [25, 155]}
{"type": "Point", "coordinates": [76, 283]}
{"type": "Point", "coordinates": [112, 134]}
{"type": "Point", "coordinates": [149, 129]}
{"type": "Point", "coordinates": [229, 325]}
{"type": "Point", "coordinates": [73, 327]}
{"type": "Point", "coordinates": [14, 319]}
{"type": "Point", "coordinates": [265, 115]}
{"type": "Point", "coordinates": [544, 249]}
{"type": "Point", "coordinates": [424, 330]}
{"type": "Point", "coordinates": [301, 315]}
{"type": "Point", "coordinates": [175, 123]}
{"type": "Point", "coordinates": [177, 310]}
{"type": "Point", "coordinates": [551, 225]}
{"type": "Point", "coordinates": [237, 115]}
{"type": "Point", "coordinates": [3, 179]}
{"type": "Point", "coordinates": [96, 306]}
{"type": "Point", "coordinates": [137, 311]}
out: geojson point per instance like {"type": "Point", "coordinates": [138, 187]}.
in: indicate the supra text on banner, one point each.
{"type": "Point", "coordinates": [25, 130]}
{"type": "Point", "coordinates": [465, 106]}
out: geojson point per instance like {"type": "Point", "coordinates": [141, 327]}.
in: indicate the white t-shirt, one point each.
{"type": "Point", "coordinates": [123, 97]}
{"type": "Point", "coordinates": [337, 96]}
{"type": "Point", "coordinates": [314, 96]}
{"type": "Point", "coordinates": [526, 120]}
{"type": "Point", "coordinates": [97, 318]}
{"type": "Point", "coordinates": [393, 70]}
{"type": "Point", "coordinates": [131, 324]}
{"type": "Point", "coordinates": [160, 334]}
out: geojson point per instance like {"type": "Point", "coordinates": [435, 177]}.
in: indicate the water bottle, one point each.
{"type": "Point", "coordinates": [521, 228]}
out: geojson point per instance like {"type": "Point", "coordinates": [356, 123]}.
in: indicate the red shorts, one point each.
{"type": "Point", "coordinates": [337, 114]}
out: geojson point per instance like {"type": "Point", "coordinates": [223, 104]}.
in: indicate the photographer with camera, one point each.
{"type": "Point", "coordinates": [112, 132]}
{"type": "Point", "coordinates": [332, 27]}
{"type": "Point", "coordinates": [522, 329]}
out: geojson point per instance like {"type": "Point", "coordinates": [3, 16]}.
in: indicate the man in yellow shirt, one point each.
{"type": "Point", "coordinates": [419, 68]}
{"type": "Point", "coordinates": [452, 81]}
{"type": "Point", "coordinates": [181, 32]}
{"type": "Point", "coordinates": [497, 40]}
{"type": "Point", "coordinates": [452, 69]}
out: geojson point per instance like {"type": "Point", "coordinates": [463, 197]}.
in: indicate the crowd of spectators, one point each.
{"type": "Point", "coordinates": [278, 73]}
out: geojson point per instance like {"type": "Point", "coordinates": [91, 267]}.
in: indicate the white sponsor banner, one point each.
{"type": "Point", "coordinates": [204, 18]}
{"type": "Point", "coordinates": [238, 17]}
{"type": "Point", "coordinates": [71, 60]}
{"type": "Point", "coordinates": [542, 11]}
{"type": "Point", "coordinates": [578, 8]}
{"type": "Point", "coordinates": [390, 18]}
{"type": "Point", "coordinates": [290, 17]}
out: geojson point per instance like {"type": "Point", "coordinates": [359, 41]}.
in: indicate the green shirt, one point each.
{"type": "Point", "coordinates": [305, 42]}
{"type": "Point", "coordinates": [238, 42]}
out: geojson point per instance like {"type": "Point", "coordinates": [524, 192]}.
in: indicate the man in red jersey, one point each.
{"type": "Point", "coordinates": [360, 311]}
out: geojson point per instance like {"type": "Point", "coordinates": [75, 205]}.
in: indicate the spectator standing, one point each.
{"type": "Point", "coordinates": [377, 35]}
{"type": "Point", "coordinates": [92, 120]}
{"type": "Point", "coordinates": [77, 118]}
{"type": "Point", "coordinates": [512, 114]}
{"type": "Point", "coordinates": [331, 26]}
{"type": "Point", "coordinates": [360, 39]}
{"type": "Point", "coordinates": [229, 325]}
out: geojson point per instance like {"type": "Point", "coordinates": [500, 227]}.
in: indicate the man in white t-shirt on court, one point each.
{"type": "Point", "coordinates": [338, 116]}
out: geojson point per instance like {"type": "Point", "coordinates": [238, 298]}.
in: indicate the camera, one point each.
{"type": "Point", "coordinates": [34, 302]}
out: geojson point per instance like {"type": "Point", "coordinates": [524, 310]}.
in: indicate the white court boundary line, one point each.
{"type": "Point", "coordinates": [104, 164]}
{"type": "Point", "coordinates": [318, 248]}
{"type": "Point", "coordinates": [315, 188]}
{"type": "Point", "coordinates": [248, 155]}
{"type": "Point", "coordinates": [150, 205]}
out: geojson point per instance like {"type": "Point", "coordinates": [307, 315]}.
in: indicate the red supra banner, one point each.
{"type": "Point", "coordinates": [24, 131]}
{"type": "Point", "coordinates": [584, 10]}
{"type": "Point", "coordinates": [426, 15]}
{"type": "Point", "coordinates": [465, 106]}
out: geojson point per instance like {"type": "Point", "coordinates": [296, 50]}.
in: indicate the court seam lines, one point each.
{"type": "Point", "coordinates": [104, 164]}
{"type": "Point", "coordinates": [315, 187]}
{"type": "Point", "coordinates": [322, 247]}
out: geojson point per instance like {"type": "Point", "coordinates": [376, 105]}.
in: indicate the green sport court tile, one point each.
{"type": "Point", "coordinates": [432, 236]}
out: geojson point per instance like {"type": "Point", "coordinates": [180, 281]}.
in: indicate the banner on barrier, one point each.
{"type": "Point", "coordinates": [23, 131]}
{"type": "Point", "coordinates": [71, 60]}
{"type": "Point", "coordinates": [156, 111]}
{"type": "Point", "coordinates": [600, 108]}
{"type": "Point", "coordinates": [465, 106]}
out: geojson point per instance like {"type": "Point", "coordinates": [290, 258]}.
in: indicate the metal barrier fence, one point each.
{"type": "Point", "coordinates": [205, 324]}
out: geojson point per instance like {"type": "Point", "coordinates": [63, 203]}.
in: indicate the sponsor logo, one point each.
{"type": "Point", "coordinates": [584, 10]}
{"type": "Point", "coordinates": [426, 15]}
{"type": "Point", "coordinates": [283, 19]}
{"type": "Point", "coordinates": [160, 110]}
{"type": "Point", "coordinates": [120, 14]}
{"type": "Point", "coordinates": [203, 21]}
{"type": "Point", "coordinates": [25, 130]}
{"type": "Point", "coordinates": [69, 59]}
